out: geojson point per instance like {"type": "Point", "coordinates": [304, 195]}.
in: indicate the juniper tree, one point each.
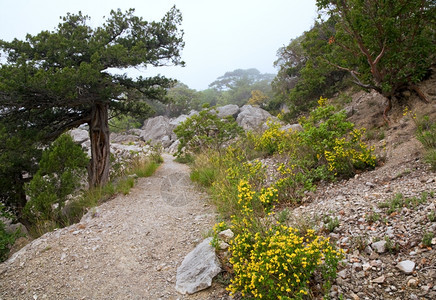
{"type": "Point", "coordinates": [57, 80]}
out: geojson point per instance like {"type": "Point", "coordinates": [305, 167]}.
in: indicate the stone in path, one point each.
{"type": "Point", "coordinates": [198, 269]}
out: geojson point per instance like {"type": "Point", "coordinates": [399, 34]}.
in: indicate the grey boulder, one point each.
{"type": "Point", "coordinates": [198, 269]}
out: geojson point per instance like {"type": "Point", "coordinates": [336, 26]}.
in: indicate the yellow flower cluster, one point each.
{"type": "Point", "coordinates": [322, 101]}
{"type": "Point", "coordinates": [275, 261]}
{"type": "Point", "coordinates": [349, 154]}
{"type": "Point", "coordinates": [274, 139]}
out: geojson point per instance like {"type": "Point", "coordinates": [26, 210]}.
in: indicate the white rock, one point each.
{"type": "Point", "coordinates": [198, 269]}
{"type": "Point", "coordinates": [79, 135]}
{"type": "Point", "coordinates": [227, 110]}
{"type": "Point", "coordinates": [406, 266]}
{"type": "Point", "coordinates": [223, 245]}
{"type": "Point", "coordinates": [379, 246]}
{"type": "Point", "coordinates": [252, 118]}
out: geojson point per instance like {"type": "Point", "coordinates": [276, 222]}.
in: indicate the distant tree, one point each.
{"type": "Point", "coordinates": [209, 96]}
{"type": "Point", "coordinates": [231, 79]}
{"type": "Point", "coordinates": [182, 100]}
{"type": "Point", "coordinates": [236, 86]}
{"type": "Point", "coordinates": [385, 45]}
{"type": "Point", "coordinates": [123, 123]}
{"type": "Point", "coordinates": [60, 79]}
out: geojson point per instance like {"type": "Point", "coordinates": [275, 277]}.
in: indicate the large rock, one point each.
{"type": "Point", "coordinates": [79, 135]}
{"type": "Point", "coordinates": [228, 110]}
{"type": "Point", "coordinates": [158, 130]}
{"type": "Point", "coordinates": [198, 269]}
{"type": "Point", "coordinates": [177, 121]}
{"type": "Point", "coordinates": [252, 118]}
{"type": "Point", "coordinates": [123, 138]}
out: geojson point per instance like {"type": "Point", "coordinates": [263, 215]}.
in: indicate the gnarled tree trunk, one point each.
{"type": "Point", "coordinates": [98, 173]}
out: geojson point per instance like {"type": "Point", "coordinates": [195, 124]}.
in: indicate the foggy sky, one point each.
{"type": "Point", "coordinates": [220, 36]}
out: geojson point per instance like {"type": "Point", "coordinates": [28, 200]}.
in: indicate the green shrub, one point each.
{"type": "Point", "coordinates": [426, 134]}
{"type": "Point", "coordinates": [6, 239]}
{"type": "Point", "coordinates": [427, 238]}
{"type": "Point", "coordinates": [61, 170]}
{"type": "Point", "coordinates": [205, 130]}
{"type": "Point", "coordinates": [331, 140]}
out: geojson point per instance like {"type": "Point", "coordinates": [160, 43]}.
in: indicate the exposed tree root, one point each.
{"type": "Point", "coordinates": [420, 94]}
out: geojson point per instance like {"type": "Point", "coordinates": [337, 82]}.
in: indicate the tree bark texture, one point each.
{"type": "Point", "coordinates": [100, 147]}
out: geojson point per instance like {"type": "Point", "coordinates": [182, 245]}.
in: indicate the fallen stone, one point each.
{"type": "Point", "coordinates": [379, 246]}
{"type": "Point", "coordinates": [343, 274]}
{"type": "Point", "coordinates": [292, 127]}
{"type": "Point", "coordinates": [406, 266]}
{"type": "Point", "coordinates": [198, 269]}
{"type": "Point", "coordinates": [12, 228]}
{"type": "Point", "coordinates": [223, 245]}
{"type": "Point", "coordinates": [380, 279]}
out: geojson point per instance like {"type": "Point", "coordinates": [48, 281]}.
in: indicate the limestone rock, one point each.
{"type": "Point", "coordinates": [379, 246]}
{"type": "Point", "coordinates": [79, 135]}
{"type": "Point", "coordinates": [293, 127]}
{"type": "Point", "coordinates": [380, 279]}
{"type": "Point", "coordinates": [11, 228]}
{"type": "Point", "coordinates": [177, 121]}
{"type": "Point", "coordinates": [406, 266]}
{"type": "Point", "coordinates": [228, 110]}
{"type": "Point", "coordinates": [157, 130]}
{"type": "Point", "coordinates": [198, 269]}
{"type": "Point", "coordinates": [123, 138]}
{"type": "Point", "coordinates": [252, 118]}
{"type": "Point", "coordinates": [174, 147]}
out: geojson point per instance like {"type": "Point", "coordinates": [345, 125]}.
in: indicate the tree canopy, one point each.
{"type": "Point", "coordinates": [385, 45]}
{"type": "Point", "coordinates": [57, 80]}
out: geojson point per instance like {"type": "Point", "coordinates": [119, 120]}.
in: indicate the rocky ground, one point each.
{"type": "Point", "coordinates": [385, 255]}
{"type": "Point", "coordinates": [378, 242]}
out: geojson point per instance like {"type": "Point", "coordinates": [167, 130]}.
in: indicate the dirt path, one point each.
{"type": "Point", "coordinates": [130, 249]}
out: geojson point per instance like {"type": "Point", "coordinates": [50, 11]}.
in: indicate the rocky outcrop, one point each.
{"type": "Point", "coordinates": [253, 118]}
{"type": "Point", "coordinates": [158, 130]}
{"type": "Point", "coordinates": [228, 110]}
{"type": "Point", "coordinates": [198, 269]}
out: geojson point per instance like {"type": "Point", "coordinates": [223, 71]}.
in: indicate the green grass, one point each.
{"type": "Point", "coordinates": [146, 169]}
{"type": "Point", "coordinates": [399, 201]}
{"type": "Point", "coordinates": [204, 176]}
